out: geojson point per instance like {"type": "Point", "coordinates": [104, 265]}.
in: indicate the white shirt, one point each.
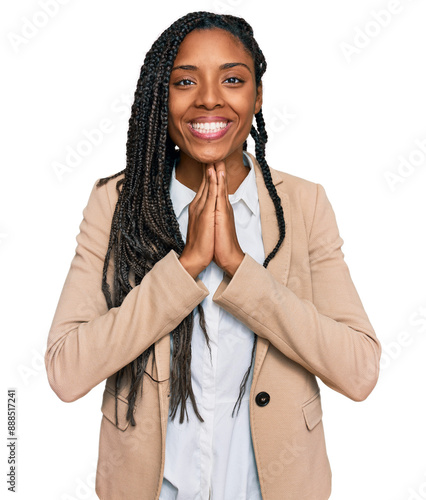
{"type": "Point", "coordinates": [214, 459]}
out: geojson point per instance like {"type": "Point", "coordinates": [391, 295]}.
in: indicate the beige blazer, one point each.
{"type": "Point", "coordinates": [304, 308]}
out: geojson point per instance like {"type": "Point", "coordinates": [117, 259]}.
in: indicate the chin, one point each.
{"type": "Point", "coordinates": [210, 157]}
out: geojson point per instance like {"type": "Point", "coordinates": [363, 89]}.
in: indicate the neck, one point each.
{"type": "Point", "coordinates": [189, 171]}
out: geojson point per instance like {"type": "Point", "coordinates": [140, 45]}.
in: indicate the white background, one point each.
{"type": "Point", "coordinates": [345, 121]}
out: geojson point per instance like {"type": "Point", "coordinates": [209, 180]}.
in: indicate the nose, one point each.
{"type": "Point", "coordinates": [209, 95]}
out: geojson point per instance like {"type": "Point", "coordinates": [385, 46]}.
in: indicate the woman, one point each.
{"type": "Point", "coordinates": [229, 296]}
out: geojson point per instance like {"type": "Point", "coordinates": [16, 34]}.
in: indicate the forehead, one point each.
{"type": "Point", "coordinates": [212, 44]}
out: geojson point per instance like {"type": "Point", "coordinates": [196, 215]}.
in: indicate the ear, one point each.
{"type": "Point", "coordinates": [259, 98]}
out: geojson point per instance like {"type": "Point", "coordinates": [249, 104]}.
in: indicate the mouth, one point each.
{"type": "Point", "coordinates": [209, 130]}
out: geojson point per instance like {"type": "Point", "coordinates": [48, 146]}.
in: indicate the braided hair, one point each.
{"type": "Point", "coordinates": [144, 226]}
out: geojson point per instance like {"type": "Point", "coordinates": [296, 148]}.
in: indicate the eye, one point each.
{"type": "Point", "coordinates": [234, 80]}
{"type": "Point", "coordinates": [183, 83]}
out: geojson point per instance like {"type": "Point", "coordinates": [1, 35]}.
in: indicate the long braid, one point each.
{"type": "Point", "coordinates": [144, 227]}
{"type": "Point", "coordinates": [260, 137]}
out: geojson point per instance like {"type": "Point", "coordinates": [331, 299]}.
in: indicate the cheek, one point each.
{"type": "Point", "coordinates": [246, 108]}
{"type": "Point", "coordinates": [173, 109]}
{"type": "Point", "coordinates": [247, 119]}
{"type": "Point", "coordinates": [173, 123]}
{"type": "Point", "coordinates": [171, 114]}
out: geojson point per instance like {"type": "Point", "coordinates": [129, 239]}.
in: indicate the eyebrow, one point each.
{"type": "Point", "coordinates": [190, 67]}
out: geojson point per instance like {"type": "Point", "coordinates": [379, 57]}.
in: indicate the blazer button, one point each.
{"type": "Point", "coordinates": [263, 398]}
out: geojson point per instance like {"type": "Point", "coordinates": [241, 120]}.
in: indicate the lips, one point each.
{"type": "Point", "coordinates": [209, 127]}
{"type": "Point", "coordinates": [212, 127]}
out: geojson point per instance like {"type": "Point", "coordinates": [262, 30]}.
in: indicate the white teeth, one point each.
{"type": "Point", "coordinates": [209, 127]}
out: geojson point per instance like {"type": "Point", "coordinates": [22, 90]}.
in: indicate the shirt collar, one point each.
{"type": "Point", "coordinates": [182, 196]}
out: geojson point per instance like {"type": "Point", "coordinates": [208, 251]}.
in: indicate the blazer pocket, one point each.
{"type": "Point", "coordinates": [108, 408]}
{"type": "Point", "coordinates": [312, 411]}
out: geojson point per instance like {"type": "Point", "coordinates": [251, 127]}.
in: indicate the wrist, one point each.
{"type": "Point", "coordinates": [194, 271]}
{"type": "Point", "coordinates": [232, 268]}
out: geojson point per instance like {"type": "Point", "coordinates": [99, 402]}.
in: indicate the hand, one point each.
{"type": "Point", "coordinates": [199, 247]}
{"type": "Point", "coordinates": [227, 251]}
{"type": "Point", "coordinates": [211, 231]}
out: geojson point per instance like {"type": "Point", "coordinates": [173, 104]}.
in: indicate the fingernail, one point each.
{"type": "Point", "coordinates": [222, 173]}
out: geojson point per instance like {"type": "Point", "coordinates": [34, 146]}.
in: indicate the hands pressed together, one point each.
{"type": "Point", "coordinates": [211, 231]}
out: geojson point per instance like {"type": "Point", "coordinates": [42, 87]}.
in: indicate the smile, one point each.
{"type": "Point", "coordinates": [209, 130]}
{"type": "Point", "coordinates": [205, 128]}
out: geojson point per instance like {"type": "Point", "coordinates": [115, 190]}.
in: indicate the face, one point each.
{"type": "Point", "coordinates": [212, 97]}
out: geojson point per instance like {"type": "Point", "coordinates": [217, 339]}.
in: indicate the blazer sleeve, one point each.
{"type": "Point", "coordinates": [87, 342]}
{"type": "Point", "coordinates": [331, 336]}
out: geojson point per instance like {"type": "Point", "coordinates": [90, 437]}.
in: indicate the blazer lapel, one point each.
{"type": "Point", "coordinates": [278, 266]}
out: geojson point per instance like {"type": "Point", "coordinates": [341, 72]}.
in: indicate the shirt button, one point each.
{"type": "Point", "coordinates": [263, 398]}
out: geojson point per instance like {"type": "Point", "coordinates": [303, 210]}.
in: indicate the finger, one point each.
{"type": "Point", "coordinates": [201, 187]}
{"type": "Point", "coordinates": [222, 193]}
{"type": "Point", "coordinates": [219, 166]}
{"type": "Point", "coordinates": [205, 189]}
{"type": "Point", "coordinates": [212, 190]}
